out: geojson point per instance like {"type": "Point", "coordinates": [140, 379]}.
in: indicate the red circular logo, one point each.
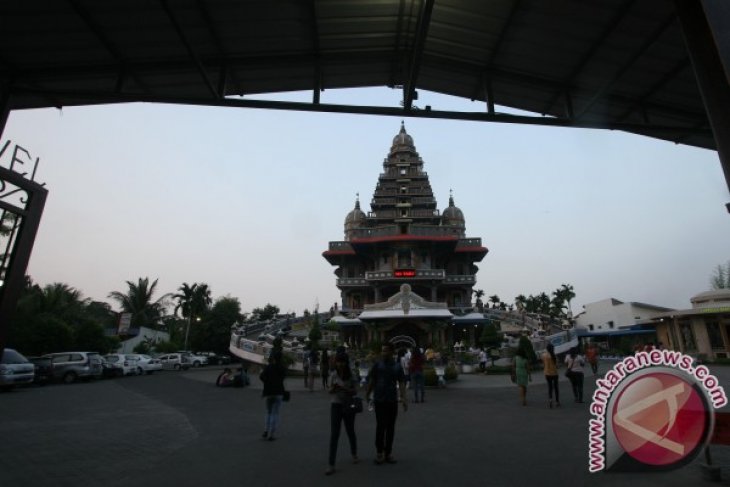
{"type": "Point", "coordinates": [660, 419]}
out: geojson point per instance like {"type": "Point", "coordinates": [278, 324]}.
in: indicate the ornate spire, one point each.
{"type": "Point", "coordinates": [451, 197]}
{"type": "Point", "coordinates": [357, 201]}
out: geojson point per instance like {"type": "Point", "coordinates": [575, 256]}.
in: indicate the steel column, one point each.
{"type": "Point", "coordinates": [12, 288]}
{"type": "Point", "coordinates": [709, 69]}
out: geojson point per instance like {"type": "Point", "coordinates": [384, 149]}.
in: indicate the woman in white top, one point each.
{"type": "Point", "coordinates": [574, 363]}
{"type": "Point", "coordinates": [343, 387]}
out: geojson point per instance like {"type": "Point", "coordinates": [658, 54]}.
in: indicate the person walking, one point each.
{"type": "Point", "coordinates": [417, 379]}
{"type": "Point", "coordinates": [592, 358]}
{"type": "Point", "coordinates": [575, 362]}
{"type": "Point", "coordinates": [521, 373]}
{"type": "Point", "coordinates": [273, 378]}
{"type": "Point", "coordinates": [305, 366]}
{"type": "Point", "coordinates": [386, 382]}
{"type": "Point", "coordinates": [313, 368]}
{"type": "Point", "coordinates": [343, 387]}
{"type": "Point", "coordinates": [550, 366]}
{"type": "Point", "coordinates": [325, 368]}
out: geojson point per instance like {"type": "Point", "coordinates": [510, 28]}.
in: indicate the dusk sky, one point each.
{"type": "Point", "coordinates": [247, 200]}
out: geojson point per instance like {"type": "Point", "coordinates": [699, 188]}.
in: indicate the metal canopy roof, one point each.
{"type": "Point", "coordinates": [600, 63]}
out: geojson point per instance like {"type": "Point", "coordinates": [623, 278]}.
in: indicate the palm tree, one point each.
{"type": "Point", "coordinates": [184, 299]}
{"type": "Point", "coordinates": [138, 300]}
{"type": "Point", "coordinates": [520, 302]}
{"type": "Point", "coordinates": [568, 294]}
{"type": "Point", "coordinates": [542, 301]}
{"type": "Point", "coordinates": [494, 299]}
{"type": "Point", "coordinates": [478, 294]}
{"type": "Point", "coordinates": [721, 277]}
{"type": "Point", "coordinates": [192, 301]}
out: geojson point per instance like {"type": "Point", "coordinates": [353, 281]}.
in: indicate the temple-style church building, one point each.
{"type": "Point", "coordinates": [404, 268]}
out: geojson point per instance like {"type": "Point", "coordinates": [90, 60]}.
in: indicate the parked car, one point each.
{"type": "Point", "coordinates": [129, 366]}
{"type": "Point", "coordinates": [43, 370]}
{"type": "Point", "coordinates": [111, 370]}
{"type": "Point", "coordinates": [194, 359]}
{"type": "Point", "coordinates": [71, 366]}
{"type": "Point", "coordinates": [145, 363]}
{"type": "Point", "coordinates": [15, 369]}
{"type": "Point", "coordinates": [174, 361]}
{"type": "Point", "coordinates": [216, 359]}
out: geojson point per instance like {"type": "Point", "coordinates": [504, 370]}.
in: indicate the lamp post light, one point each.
{"type": "Point", "coordinates": [187, 329]}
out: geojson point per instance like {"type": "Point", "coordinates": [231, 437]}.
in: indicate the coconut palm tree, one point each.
{"type": "Point", "coordinates": [494, 299]}
{"type": "Point", "coordinates": [568, 294]}
{"type": "Point", "coordinates": [192, 301]}
{"type": "Point", "coordinates": [138, 300]}
{"type": "Point", "coordinates": [721, 277]}
{"type": "Point", "coordinates": [478, 294]}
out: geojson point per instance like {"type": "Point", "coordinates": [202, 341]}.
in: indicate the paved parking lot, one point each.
{"type": "Point", "coordinates": [177, 428]}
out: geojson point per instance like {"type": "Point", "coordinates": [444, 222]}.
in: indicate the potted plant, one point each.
{"type": "Point", "coordinates": [468, 360]}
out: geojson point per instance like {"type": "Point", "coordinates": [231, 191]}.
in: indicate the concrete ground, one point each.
{"type": "Point", "coordinates": [178, 429]}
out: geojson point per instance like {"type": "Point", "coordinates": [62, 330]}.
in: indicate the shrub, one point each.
{"type": "Point", "coordinates": [429, 377]}
{"type": "Point", "coordinates": [451, 373]}
{"type": "Point", "coordinates": [499, 369]}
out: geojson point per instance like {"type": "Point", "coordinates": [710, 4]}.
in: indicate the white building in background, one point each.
{"type": "Point", "coordinates": [145, 334]}
{"type": "Point", "coordinates": [611, 314]}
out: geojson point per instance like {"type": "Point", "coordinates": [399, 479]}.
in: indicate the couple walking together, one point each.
{"type": "Point", "coordinates": [386, 381]}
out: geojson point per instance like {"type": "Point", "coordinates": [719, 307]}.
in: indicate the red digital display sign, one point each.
{"type": "Point", "coordinates": [404, 273]}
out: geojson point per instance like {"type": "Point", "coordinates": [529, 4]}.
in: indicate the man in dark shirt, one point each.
{"type": "Point", "coordinates": [387, 381]}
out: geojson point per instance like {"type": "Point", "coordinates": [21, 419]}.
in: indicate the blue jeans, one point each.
{"type": "Point", "coordinates": [418, 382]}
{"type": "Point", "coordinates": [273, 403]}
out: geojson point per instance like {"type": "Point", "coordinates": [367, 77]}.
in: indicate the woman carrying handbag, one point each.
{"type": "Point", "coordinates": [575, 362]}
{"type": "Point", "coordinates": [343, 387]}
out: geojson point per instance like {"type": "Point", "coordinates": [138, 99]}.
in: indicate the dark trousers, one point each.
{"type": "Point", "coordinates": [338, 415]}
{"type": "Point", "coordinates": [385, 414]}
{"type": "Point", "coordinates": [576, 380]}
{"type": "Point", "coordinates": [552, 381]}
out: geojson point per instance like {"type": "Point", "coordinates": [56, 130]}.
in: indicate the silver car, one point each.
{"type": "Point", "coordinates": [15, 369]}
{"type": "Point", "coordinates": [145, 363]}
{"type": "Point", "coordinates": [70, 366]}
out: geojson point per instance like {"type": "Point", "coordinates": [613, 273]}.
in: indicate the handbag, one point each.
{"type": "Point", "coordinates": [569, 371]}
{"type": "Point", "coordinates": [356, 404]}
{"type": "Point", "coordinates": [286, 396]}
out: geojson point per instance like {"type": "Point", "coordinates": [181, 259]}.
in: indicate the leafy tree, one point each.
{"type": "Point", "coordinates": [138, 300]}
{"type": "Point", "coordinates": [315, 334]}
{"type": "Point", "coordinates": [721, 277]}
{"type": "Point", "coordinates": [90, 337]}
{"type": "Point", "coordinates": [489, 337]}
{"type": "Point", "coordinates": [167, 347]}
{"type": "Point", "coordinates": [142, 348]}
{"type": "Point", "coordinates": [214, 332]}
{"type": "Point", "coordinates": [45, 318]}
{"type": "Point", "coordinates": [101, 313]}
{"type": "Point", "coordinates": [266, 313]}
{"type": "Point", "coordinates": [41, 334]}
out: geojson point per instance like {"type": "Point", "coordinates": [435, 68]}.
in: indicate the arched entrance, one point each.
{"type": "Point", "coordinates": [407, 333]}
{"type": "Point", "coordinates": [403, 340]}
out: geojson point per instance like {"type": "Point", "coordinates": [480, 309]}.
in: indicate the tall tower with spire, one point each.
{"type": "Point", "coordinates": [405, 239]}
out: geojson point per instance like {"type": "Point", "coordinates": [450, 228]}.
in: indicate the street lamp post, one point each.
{"type": "Point", "coordinates": [187, 329]}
